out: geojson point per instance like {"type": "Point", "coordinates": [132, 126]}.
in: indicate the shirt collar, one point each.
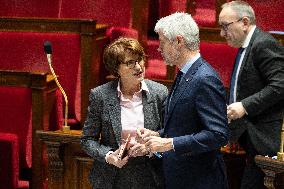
{"type": "Point", "coordinates": [189, 63]}
{"type": "Point", "coordinates": [143, 87]}
{"type": "Point", "coordinates": [247, 40]}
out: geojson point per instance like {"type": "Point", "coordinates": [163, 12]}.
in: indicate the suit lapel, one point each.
{"type": "Point", "coordinates": [247, 51]}
{"type": "Point", "coordinates": [184, 83]}
{"type": "Point", "coordinates": [115, 112]}
{"type": "Point", "coordinates": [147, 100]}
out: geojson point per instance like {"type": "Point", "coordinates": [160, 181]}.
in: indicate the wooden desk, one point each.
{"type": "Point", "coordinates": [68, 165]}
{"type": "Point", "coordinates": [274, 171]}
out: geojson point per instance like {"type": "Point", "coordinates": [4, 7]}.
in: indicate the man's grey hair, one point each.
{"type": "Point", "coordinates": [180, 24]}
{"type": "Point", "coordinates": [242, 9]}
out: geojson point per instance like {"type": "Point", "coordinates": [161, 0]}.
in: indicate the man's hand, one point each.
{"type": "Point", "coordinates": [113, 159]}
{"type": "Point", "coordinates": [158, 144]}
{"type": "Point", "coordinates": [141, 133]}
{"type": "Point", "coordinates": [235, 111]}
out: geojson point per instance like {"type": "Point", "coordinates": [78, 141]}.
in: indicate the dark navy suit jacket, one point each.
{"type": "Point", "coordinates": [197, 122]}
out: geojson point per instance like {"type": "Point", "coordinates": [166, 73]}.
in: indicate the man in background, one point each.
{"type": "Point", "coordinates": [256, 102]}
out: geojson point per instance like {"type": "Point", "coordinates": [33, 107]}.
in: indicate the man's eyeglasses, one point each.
{"type": "Point", "coordinates": [132, 63]}
{"type": "Point", "coordinates": [225, 27]}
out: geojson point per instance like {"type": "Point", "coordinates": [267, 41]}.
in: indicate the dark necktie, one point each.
{"type": "Point", "coordinates": [234, 75]}
{"type": "Point", "coordinates": [175, 85]}
{"type": "Point", "coordinates": [176, 82]}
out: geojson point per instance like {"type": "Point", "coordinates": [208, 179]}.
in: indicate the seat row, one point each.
{"type": "Point", "coordinates": [78, 32]}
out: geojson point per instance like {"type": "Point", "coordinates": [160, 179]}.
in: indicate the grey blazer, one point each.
{"type": "Point", "coordinates": [261, 90]}
{"type": "Point", "coordinates": [102, 130]}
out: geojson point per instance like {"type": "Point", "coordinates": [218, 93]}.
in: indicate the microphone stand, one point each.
{"type": "Point", "coordinates": [280, 155]}
{"type": "Point", "coordinates": [48, 51]}
{"type": "Point", "coordinates": [65, 128]}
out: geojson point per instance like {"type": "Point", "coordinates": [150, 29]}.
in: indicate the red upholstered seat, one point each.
{"type": "Point", "coordinates": [116, 32]}
{"type": "Point", "coordinates": [156, 68]}
{"type": "Point", "coordinates": [221, 57]}
{"type": "Point", "coordinates": [24, 51]}
{"type": "Point", "coordinates": [117, 14]}
{"type": "Point", "coordinates": [167, 7]}
{"type": "Point", "coordinates": [269, 14]}
{"type": "Point", "coordinates": [16, 118]}
{"type": "Point", "coordinates": [26, 101]}
{"type": "Point", "coordinates": [29, 8]}
{"type": "Point", "coordinates": [9, 163]}
{"type": "Point", "coordinates": [203, 11]}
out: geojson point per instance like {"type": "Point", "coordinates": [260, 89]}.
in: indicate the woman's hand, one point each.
{"type": "Point", "coordinates": [137, 150]}
{"type": "Point", "coordinates": [113, 159]}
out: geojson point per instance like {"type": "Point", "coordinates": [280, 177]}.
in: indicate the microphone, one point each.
{"type": "Point", "coordinates": [48, 51]}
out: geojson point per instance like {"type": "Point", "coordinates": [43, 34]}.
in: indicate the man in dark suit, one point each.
{"type": "Point", "coordinates": [256, 100]}
{"type": "Point", "coordinates": [195, 123]}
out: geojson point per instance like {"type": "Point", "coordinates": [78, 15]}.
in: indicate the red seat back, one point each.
{"type": "Point", "coordinates": [205, 13]}
{"type": "Point", "coordinates": [112, 12]}
{"type": "Point", "coordinates": [29, 8]}
{"type": "Point", "coordinates": [221, 57]}
{"type": "Point", "coordinates": [24, 51]}
{"type": "Point", "coordinates": [167, 7]}
{"type": "Point", "coordinates": [269, 14]}
{"type": "Point", "coordinates": [16, 118]}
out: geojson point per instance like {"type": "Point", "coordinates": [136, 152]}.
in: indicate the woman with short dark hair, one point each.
{"type": "Point", "coordinates": [116, 110]}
